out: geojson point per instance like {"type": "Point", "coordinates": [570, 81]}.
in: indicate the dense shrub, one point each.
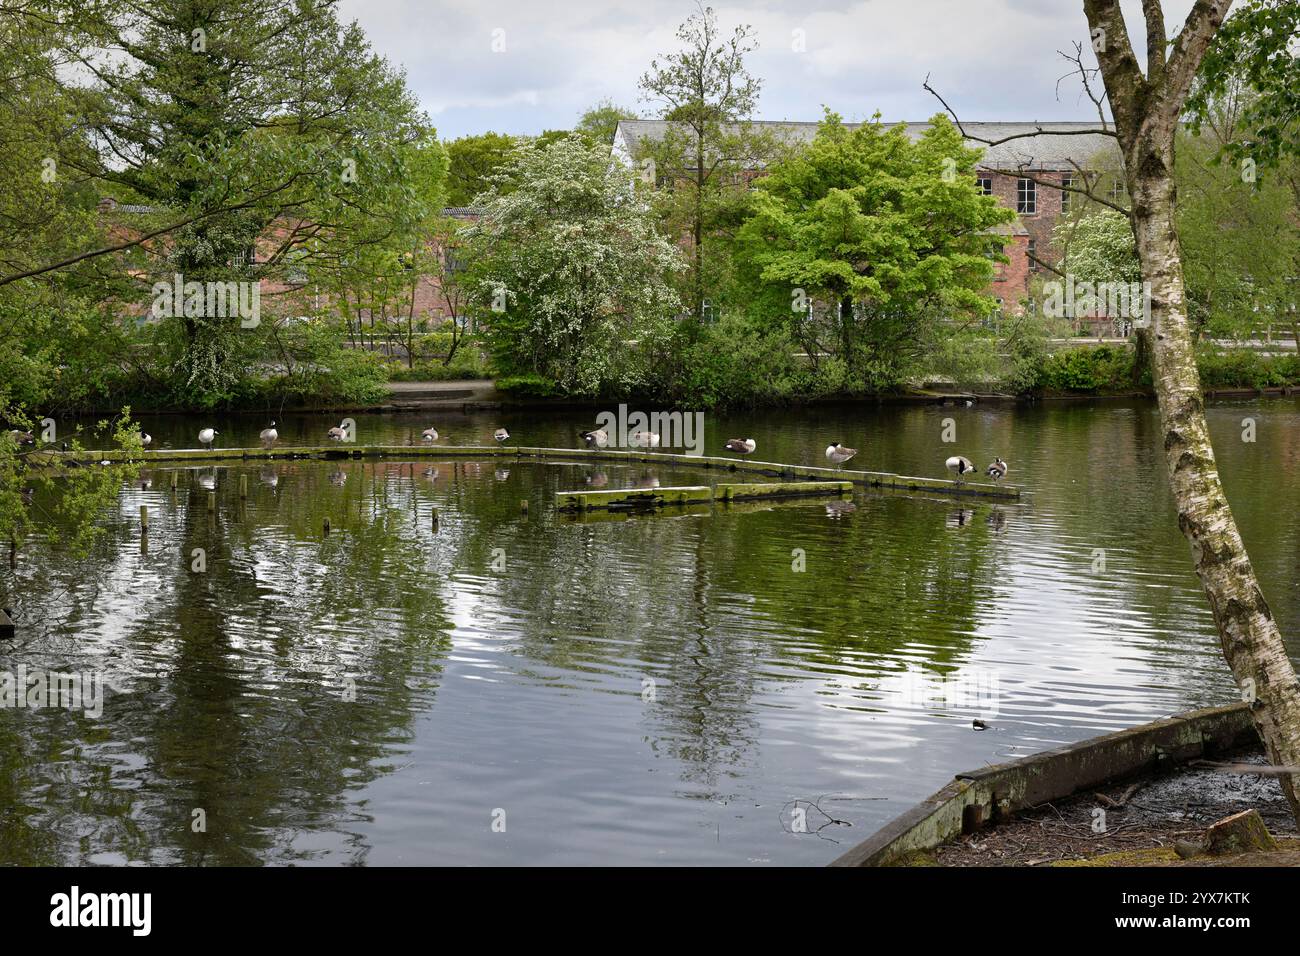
{"type": "Point", "coordinates": [1243, 368]}
{"type": "Point", "coordinates": [528, 386]}
{"type": "Point", "coordinates": [468, 362]}
{"type": "Point", "coordinates": [1089, 370]}
{"type": "Point", "coordinates": [734, 362]}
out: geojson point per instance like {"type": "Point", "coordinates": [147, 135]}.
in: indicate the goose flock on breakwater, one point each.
{"type": "Point", "coordinates": [836, 452]}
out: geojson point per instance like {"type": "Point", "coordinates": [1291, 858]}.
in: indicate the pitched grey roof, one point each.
{"type": "Point", "coordinates": [1084, 146]}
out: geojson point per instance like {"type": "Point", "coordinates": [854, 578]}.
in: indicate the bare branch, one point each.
{"type": "Point", "coordinates": [1038, 130]}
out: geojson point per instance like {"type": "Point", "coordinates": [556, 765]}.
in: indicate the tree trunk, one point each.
{"type": "Point", "coordinates": [1248, 634]}
{"type": "Point", "coordinates": [1146, 109]}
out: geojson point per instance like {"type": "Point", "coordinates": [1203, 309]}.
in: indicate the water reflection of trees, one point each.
{"type": "Point", "coordinates": [237, 703]}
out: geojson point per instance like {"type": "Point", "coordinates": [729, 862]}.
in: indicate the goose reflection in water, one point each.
{"type": "Point", "coordinates": [208, 480]}
{"type": "Point", "coordinates": [501, 474]}
{"type": "Point", "coordinates": [840, 509]}
{"type": "Point", "coordinates": [597, 479]}
{"type": "Point", "coordinates": [997, 519]}
{"type": "Point", "coordinates": [269, 477]}
{"type": "Point", "coordinates": [338, 478]}
{"type": "Point", "coordinates": [960, 518]}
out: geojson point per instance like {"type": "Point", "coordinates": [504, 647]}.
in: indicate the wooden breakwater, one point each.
{"type": "Point", "coordinates": [345, 450]}
{"type": "Point", "coordinates": [649, 499]}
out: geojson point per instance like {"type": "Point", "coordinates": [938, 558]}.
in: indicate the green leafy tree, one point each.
{"type": "Point", "coordinates": [869, 245]}
{"type": "Point", "coordinates": [50, 499]}
{"type": "Point", "coordinates": [1240, 240]}
{"type": "Point", "coordinates": [264, 127]}
{"type": "Point", "coordinates": [474, 160]}
{"type": "Point", "coordinates": [373, 288]}
{"type": "Point", "coordinates": [570, 270]}
{"type": "Point", "coordinates": [1253, 61]}
{"type": "Point", "coordinates": [600, 122]}
{"type": "Point", "coordinates": [710, 145]}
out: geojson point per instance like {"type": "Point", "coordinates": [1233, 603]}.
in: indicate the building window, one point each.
{"type": "Point", "coordinates": [1118, 191]}
{"type": "Point", "coordinates": [985, 185]}
{"type": "Point", "coordinates": [1026, 196]}
{"type": "Point", "coordinates": [1032, 255]}
{"type": "Point", "coordinates": [1068, 182]}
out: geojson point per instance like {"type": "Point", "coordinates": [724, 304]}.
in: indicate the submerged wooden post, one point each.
{"type": "Point", "coordinates": [175, 474]}
{"type": "Point", "coordinates": [523, 506]}
{"type": "Point", "coordinates": [327, 526]}
{"type": "Point", "coordinates": [144, 519]}
{"type": "Point", "coordinates": [433, 519]}
{"type": "Point", "coordinates": [212, 502]}
{"type": "Point", "coordinates": [243, 486]}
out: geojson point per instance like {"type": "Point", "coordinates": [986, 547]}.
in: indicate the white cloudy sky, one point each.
{"type": "Point", "coordinates": [991, 59]}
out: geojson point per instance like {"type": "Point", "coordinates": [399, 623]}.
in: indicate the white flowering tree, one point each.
{"type": "Point", "coordinates": [573, 279]}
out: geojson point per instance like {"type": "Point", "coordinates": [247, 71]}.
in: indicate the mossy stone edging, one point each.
{"type": "Point", "coordinates": [982, 796]}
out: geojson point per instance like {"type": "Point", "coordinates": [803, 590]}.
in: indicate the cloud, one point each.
{"type": "Point", "coordinates": [996, 59]}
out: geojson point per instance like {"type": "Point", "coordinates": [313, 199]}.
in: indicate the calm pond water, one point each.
{"type": "Point", "coordinates": [646, 690]}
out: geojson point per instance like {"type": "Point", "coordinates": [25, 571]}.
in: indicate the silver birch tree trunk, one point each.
{"type": "Point", "coordinates": [1147, 109]}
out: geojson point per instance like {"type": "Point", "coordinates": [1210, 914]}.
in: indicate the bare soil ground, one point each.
{"type": "Point", "coordinates": [1142, 823]}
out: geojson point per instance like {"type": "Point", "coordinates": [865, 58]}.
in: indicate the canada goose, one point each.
{"type": "Point", "coordinates": [596, 439]}
{"type": "Point", "coordinates": [959, 466]}
{"type": "Point", "coordinates": [269, 436]}
{"type": "Point", "coordinates": [145, 439]}
{"type": "Point", "coordinates": [206, 436]}
{"type": "Point", "coordinates": [22, 438]}
{"type": "Point", "coordinates": [501, 436]}
{"type": "Point", "coordinates": [429, 434]}
{"type": "Point", "coordinates": [337, 433]}
{"type": "Point", "coordinates": [839, 454]}
{"type": "Point", "coordinates": [998, 470]}
{"type": "Point", "coordinates": [741, 446]}
{"type": "Point", "coordinates": [645, 439]}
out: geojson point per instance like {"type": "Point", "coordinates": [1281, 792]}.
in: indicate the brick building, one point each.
{"type": "Point", "coordinates": [292, 294]}
{"type": "Point", "coordinates": [1020, 173]}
